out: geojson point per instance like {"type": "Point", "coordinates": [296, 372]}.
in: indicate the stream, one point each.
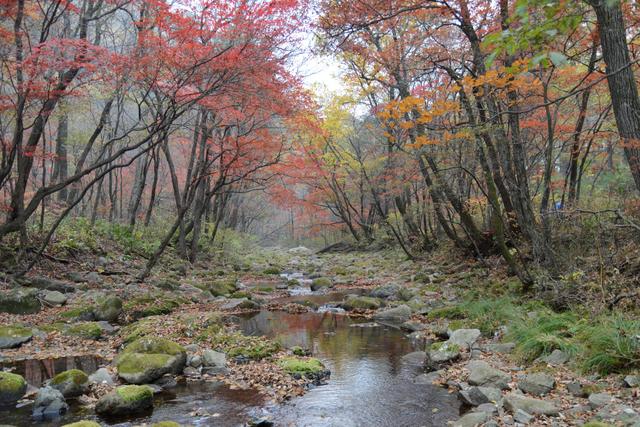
{"type": "Point", "coordinates": [372, 383]}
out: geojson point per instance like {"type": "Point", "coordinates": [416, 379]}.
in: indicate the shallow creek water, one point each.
{"type": "Point", "coordinates": [371, 383]}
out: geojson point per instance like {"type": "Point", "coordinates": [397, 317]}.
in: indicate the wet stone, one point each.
{"type": "Point", "coordinates": [49, 403]}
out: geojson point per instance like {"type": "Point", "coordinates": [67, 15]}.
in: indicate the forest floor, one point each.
{"type": "Point", "coordinates": [509, 362]}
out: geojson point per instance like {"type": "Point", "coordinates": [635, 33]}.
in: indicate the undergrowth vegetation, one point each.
{"type": "Point", "coordinates": [607, 343]}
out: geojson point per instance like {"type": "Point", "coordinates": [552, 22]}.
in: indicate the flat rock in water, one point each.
{"type": "Point", "coordinates": [516, 401]}
{"type": "Point", "coordinates": [49, 403]}
{"type": "Point", "coordinates": [397, 314]}
{"type": "Point", "coordinates": [416, 358]}
{"type": "Point", "coordinates": [483, 374]}
{"type": "Point", "coordinates": [537, 384]}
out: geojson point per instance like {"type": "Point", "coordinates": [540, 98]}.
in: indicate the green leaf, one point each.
{"type": "Point", "coordinates": [557, 58]}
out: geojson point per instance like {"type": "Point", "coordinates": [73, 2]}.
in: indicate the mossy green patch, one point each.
{"type": "Point", "coordinates": [137, 330]}
{"type": "Point", "coordinates": [88, 330]}
{"type": "Point", "coordinates": [273, 270]}
{"type": "Point", "coordinates": [133, 363]}
{"type": "Point", "coordinates": [15, 332]}
{"type": "Point", "coordinates": [12, 384]}
{"type": "Point", "coordinates": [321, 282]}
{"type": "Point", "coordinates": [76, 312]}
{"type": "Point", "coordinates": [235, 344]}
{"type": "Point", "coordinates": [74, 375]}
{"type": "Point", "coordinates": [134, 393]}
{"type": "Point", "coordinates": [166, 424]}
{"type": "Point", "coordinates": [296, 365]}
{"type": "Point", "coordinates": [154, 345]}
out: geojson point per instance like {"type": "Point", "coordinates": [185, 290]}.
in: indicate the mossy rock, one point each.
{"type": "Point", "coordinates": [85, 423]}
{"type": "Point", "coordinates": [108, 309]}
{"type": "Point", "coordinates": [241, 294]}
{"type": "Point", "coordinates": [597, 424]}
{"type": "Point", "coordinates": [87, 330]}
{"type": "Point", "coordinates": [125, 400]}
{"type": "Point", "coordinates": [299, 351]}
{"type": "Point", "coordinates": [309, 368]}
{"type": "Point", "coordinates": [71, 383]}
{"type": "Point", "coordinates": [166, 424]}
{"type": "Point", "coordinates": [235, 344]}
{"type": "Point", "coordinates": [20, 301]}
{"type": "Point", "coordinates": [149, 358]}
{"type": "Point", "coordinates": [219, 288]}
{"type": "Point", "coordinates": [137, 330]}
{"type": "Point", "coordinates": [14, 336]}
{"type": "Point", "coordinates": [361, 303]}
{"type": "Point", "coordinates": [12, 388]}
{"type": "Point", "coordinates": [293, 283]}
{"type": "Point", "coordinates": [321, 282]}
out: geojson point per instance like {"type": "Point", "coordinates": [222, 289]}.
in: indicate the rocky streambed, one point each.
{"type": "Point", "coordinates": [326, 342]}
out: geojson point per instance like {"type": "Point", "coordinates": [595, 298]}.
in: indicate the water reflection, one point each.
{"type": "Point", "coordinates": [370, 384]}
{"type": "Point", "coordinates": [37, 371]}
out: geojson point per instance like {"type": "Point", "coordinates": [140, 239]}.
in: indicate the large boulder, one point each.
{"type": "Point", "coordinates": [149, 358]}
{"type": "Point", "coordinates": [483, 374]}
{"type": "Point", "coordinates": [516, 401]}
{"type": "Point", "coordinates": [20, 301]}
{"type": "Point", "coordinates": [49, 403]}
{"type": "Point", "coordinates": [464, 338]}
{"type": "Point", "coordinates": [537, 384]}
{"type": "Point", "coordinates": [108, 309]}
{"type": "Point", "coordinates": [398, 314]}
{"type": "Point", "coordinates": [125, 400]}
{"type": "Point", "coordinates": [12, 388]}
{"type": "Point", "coordinates": [14, 336]}
{"type": "Point", "coordinates": [71, 383]}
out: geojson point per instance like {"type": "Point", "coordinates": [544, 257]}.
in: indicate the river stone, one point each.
{"type": "Point", "coordinates": [576, 389]}
{"type": "Point", "coordinates": [385, 291]}
{"type": "Point", "coordinates": [214, 358]}
{"type": "Point", "coordinates": [101, 376]}
{"type": "Point", "coordinates": [12, 388]}
{"type": "Point", "coordinates": [557, 357]}
{"type": "Point", "coordinates": [619, 414]}
{"type": "Point", "coordinates": [441, 355]}
{"type": "Point", "coordinates": [397, 314]}
{"type": "Point", "coordinates": [46, 283]}
{"type": "Point", "coordinates": [108, 309]}
{"type": "Point", "coordinates": [482, 374]}
{"type": "Point", "coordinates": [14, 336]}
{"type": "Point", "coordinates": [71, 383]}
{"type": "Point", "coordinates": [125, 400]}
{"type": "Point", "coordinates": [240, 304]}
{"type": "Point", "coordinates": [476, 396]}
{"type": "Point", "coordinates": [499, 347]}
{"type": "Point", "coordinates": [522, 417]}
{"type": "Point", "coordinates": [49, 403]}
{"type": "Point", "coordinates": [537, 384]}
{"type": "Point", "coordinates": [464, 338]}
{"type": "Point", "coordinates": [515, 401]}
{"type": "Point", "coordinates": [629, 380]}
{"type": "Point", "coordinates": [20, 301]}
{"type": "Point", "coordinates": [54, 298]}
{"type": "Point", "coordinates": [149, 358]}
{"type": "Point", "coordinates": [472, 419]}
{"type": "Point", "coordinates": [598, 400]}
